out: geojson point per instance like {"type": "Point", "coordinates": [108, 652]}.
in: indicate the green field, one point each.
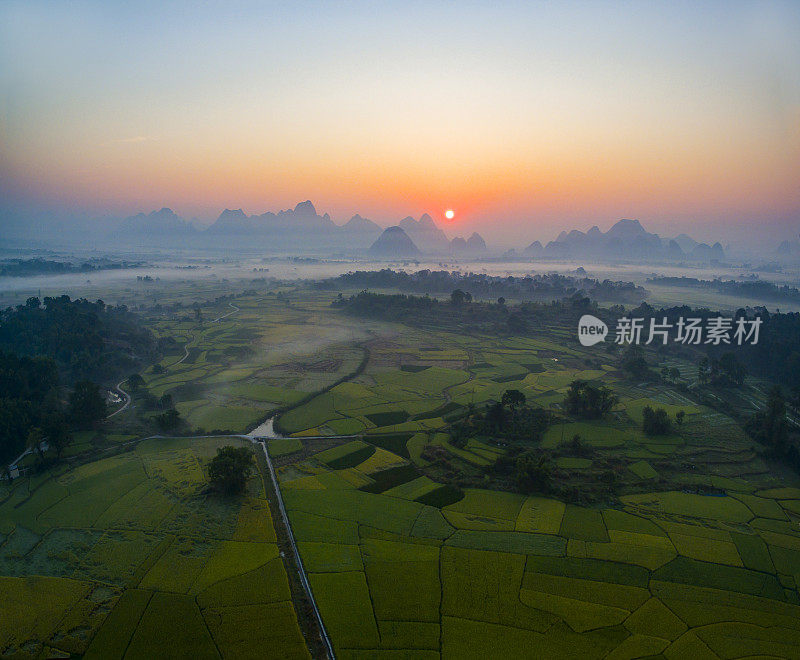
{"type": "Point", "coordinates": [129, 556]}
{"type": "Point", "coordinates": [523, 574]}
{"type": "Point", "coordinates": [415, 546]}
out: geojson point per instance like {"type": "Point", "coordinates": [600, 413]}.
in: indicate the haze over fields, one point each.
{"type": "Point", "coordinates": [398, 329]}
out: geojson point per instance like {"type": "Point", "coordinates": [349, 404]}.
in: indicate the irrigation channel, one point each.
{"type": "Point", "coordinates": [260, 435]}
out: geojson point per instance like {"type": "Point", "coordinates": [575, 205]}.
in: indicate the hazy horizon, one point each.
{"type": "Point", "coordinates": [525, 120]}
{"type": "Point", "coordinates": [24, 224]}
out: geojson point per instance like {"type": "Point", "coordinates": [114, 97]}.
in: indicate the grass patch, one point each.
{"type": "Point", "coordinates": [114, 636]}
{"type": "Point", "coordinates": [515, 542]}
{"type": "Point", "coordinates": [397, 443]}
{"type": "Point", "coordinates": [701, 506]}
{"type": "Point", "coordinates": [715, 576]}
{"type": "Point", "coordinates": [413, 368]}
{"type": "Point", "coordinates": [347, 455]}
{"type": "Point", "coordinates": [284, 446]}
{"type": "Point", "coordinates": [443, 496]}
{"type": "Point", "coordinates": [348, 426]}
{"type": "Point", "coordinates": [265, 584]}
{"type": "Point", "coordinates": [388, 418]}
{"type": "Point", "coordinates": [643, 470]}
{"type": "Point", "coordinates": [172, 626]}
{"type": "Point", "coordinates": [441, 411]}
{"type": "Point", "coordinates": [390, 478]}
{"type": "Point", "coordinates": [583, 524]}
{"type": "Point", "coordinates": [590, 569]}
{"type": "Point", "coordinates": [344, 600]}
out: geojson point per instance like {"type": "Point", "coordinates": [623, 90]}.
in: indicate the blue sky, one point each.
{"type": "Point", "coordinates": [520, 116]}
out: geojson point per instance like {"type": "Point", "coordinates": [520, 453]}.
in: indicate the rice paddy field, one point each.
{"type": "Point", "coordinates": [668, 574]}
{"type": "Point", "coordinates": [248, 357]}
{"type": "Point", "coordinates": [697, 554]}
{"type": "Point", "coordinates": [129, 556]}
{"type": "Point", "coordinates": [415, 384]}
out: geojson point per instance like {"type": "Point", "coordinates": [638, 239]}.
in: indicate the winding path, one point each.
{"type": "Point", "coordinates": [193, 337]}
{"type": "Point", "coordinates": [185, 351]}
{"type": "Point", "coordinates": [224, 316]}
{"type": "Point", "coordinates": [125, 397]}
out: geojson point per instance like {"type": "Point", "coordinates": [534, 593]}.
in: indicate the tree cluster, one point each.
{"type": "Point", "coordinates": [754, 289]}
{"type": "Point", "coordinates": [532, 473]}
{"type": "Point", "coordinates": [770, 427]}
{"type": "Point", "coordinates": [725, 371]}
{"type": "Point", "coordinates": [587, 401]}
{"type": "Point", "coordinates": [230, 469]}
{"type": "Point", "coordinates": [656, 421]}
{"type": "Point", "coordinates": [32, 410]}
{"type": "Point", "coordinates": [86, 340]}
{"type": "Point", "coordinates": [167, 419]}
{"type": "Point", "coordinates": [540, 287]}
{"type": "Point", "coordinates": [510, 418]}
{"type": "Point", "coordinates": [39, 266]}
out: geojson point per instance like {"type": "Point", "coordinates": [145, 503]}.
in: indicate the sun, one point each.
{"type": "Point", "coordinates": [449, 214]}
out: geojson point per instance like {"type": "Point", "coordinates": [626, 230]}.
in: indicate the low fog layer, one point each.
{"type": "Point", "coordinates": [303, 230]}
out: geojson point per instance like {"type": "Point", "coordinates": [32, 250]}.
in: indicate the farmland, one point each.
{"type": "Point", "coordinates": [504, 575]}
{"type": "Point", "coordinates": [685, 558]}
{"type": "Point", "coordinates": [130, 556]}
{"type": "Point", "coordinates": [414, 545]}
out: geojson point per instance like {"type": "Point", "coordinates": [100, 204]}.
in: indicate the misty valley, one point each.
{"type": "Point", "coordinates": [311, 456]}
{"type": "Point", "coordinates": [400, 330]}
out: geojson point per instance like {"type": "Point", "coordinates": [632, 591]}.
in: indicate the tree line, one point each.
{"type": "Point", "coordinates": [538, 287]}
{"type": "Point", "coordinates": [53, 354]}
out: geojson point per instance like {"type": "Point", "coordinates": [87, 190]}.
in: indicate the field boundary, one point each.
{"type": "Point", "coordinates": [353, 374]}
{"type": "Point", "coordinates": [301, 571]}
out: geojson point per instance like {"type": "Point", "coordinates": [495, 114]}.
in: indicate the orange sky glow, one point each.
{"type": "Point", "coordinates": [673, 116]}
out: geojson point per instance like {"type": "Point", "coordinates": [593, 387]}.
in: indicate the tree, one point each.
{"type": "Point", "coordinates": [770, 427]}
{"type": "Point", "coordinates": [56, 431]}
{"type": "Point", "coordinates": [16, 418]}
{"type": "Point", "coordinates": [80, 336]}
{"type": "Point", "coordinates": [28, 389]}
{"type": "Point", "coordinates": [702, 371]}
{"type": "Point", "coordinates": [633, 361]}
{"type": "Point", "coordinates": [577, 448]}
{"type": "Point", "coordinates": [86, 404]}
{"type": "Point", "coordinates": [496, 415]}
{"type": "Point", "coordinates": [229, 470]}
{"type": "Point", "coordinates": [655, 422]}
{"type": "Point", "coordinates": [458, 437]}
{"type": "Point", "coordinates": [727, 371]}
{"type": "Point", "coordinates": [532, 474]}
{"type": "Point", "coordinates": [679, 416]}
{"type": "Point", "coordinates": [589, 401]}
{"type": "Point", "coordinates": [513, 399]}
{"type": "Point", "coordinates": [516, 323]}
{"type": "Point", "coordinates": [458, 297]}
{"type": "Point", "coordinates": [776, 426]}
{"type": "Point", "coordinates": [501, 301]}
{"type": "Point", "coordinates": [169, 420]}
{"type": "Point", "coordinates": [34, 441]}
{"type": "Point", "coordinates": [674, 375]}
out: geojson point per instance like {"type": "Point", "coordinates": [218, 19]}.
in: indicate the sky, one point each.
{"type": "Point", "coordinates": [524, 118]}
